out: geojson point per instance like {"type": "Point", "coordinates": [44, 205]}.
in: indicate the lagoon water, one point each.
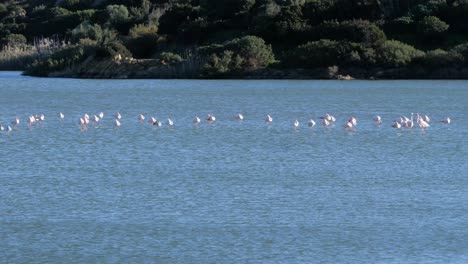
{"type": "Point", "coordinates": [233, 192]}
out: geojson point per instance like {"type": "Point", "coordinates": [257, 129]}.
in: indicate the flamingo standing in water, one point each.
{"type": "Point", "coordinates": [239, 116]}
{"type": "Point", "coordinates": [210, 118]}
{"type": "Point", "coordinates": [141, 118]}
{"type": "Point", "coordinates": [118, 115]}
{"type": "Point", "coordinates": [31, 120]}
{"type": "Point", "coordinates": [426, 118]}
{"type": "Point", "coordinates": [325, 122]}
{"type": "Point", "coordinates": [446, 120]}
{"type": "Point", "coordinates": [196, 120]}
{"type": "Point", "coordinates": [61, 116]}
{"type": "Point", "coordinates": [422, 123]}
{"type": "Point", "coordinates": [170, 122]}
{"type": "Point", "coordinates": [296, 123]}
{"type": "Point", "coordinates": [396, 125]}
{"type": "Point", "coordinates": [378, 120]}
{"type": "Point", "coordinates": [96, 119]}
{"type": "Point", "coordinates": [9, 129]}
{"type": "Point", "coordinates": [352, 120]}
{"type": "Point", "coordinates": [15, 122]}
{"type": "Point", "coordinates": [101, 115]}
{"type": "Point", "coordinates": [152, 120]}
{"type": "Point", "coordinates": [117, 123]}
{"type": "Point", "coordinates": [311, 123]}
{"type": "Point", "coordinates": [349, 125]}
{"type": "Point", "coordinates": [2, 128]}
{"type": "Point", "coordinates": [268, 119]}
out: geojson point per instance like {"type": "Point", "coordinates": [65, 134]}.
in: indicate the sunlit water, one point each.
{"type": "Point", "coordinates": [231, 191]}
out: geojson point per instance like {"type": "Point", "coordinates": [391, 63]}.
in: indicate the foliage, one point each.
{"type": "Point", "coordinates": [142, 40]}
{"type": "Point", "coordinates": [249, 52]}
{"type": "Point", "coordinates": [232, 34]}
{"type": "Point", "coordinates": [169, 57]}
{"type": "Point", "coordinates": [60, 60]}
{"type": "Point", "coordinates": [397, 54]}
{"type": "Point", "coordinates": [430, 25]}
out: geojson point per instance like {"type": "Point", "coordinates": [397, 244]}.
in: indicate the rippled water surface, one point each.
{"type": "Point", "coordinates": [230, 191]}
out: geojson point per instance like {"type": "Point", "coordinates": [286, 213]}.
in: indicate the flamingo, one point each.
{"type": "Point", "coordinates": [31, 120]}
{"type": "Point", "coordinates": [325, 122]}
{"type": "Point", "coordinates": [101, 115]}
{"type": "Point", "coordinates": [268, 119]}
{"type": "Point", "coordinates": [352, 120]}
{"type": "Point", "coordinates": [152, 120]}
{"type": "Point", "coordinates": [170, 122]}
{"type": "Point", "coordinates": [9, 129]}
{"type": "Point", "coordinates": [61, 115]}
{"type": "Point", "coordinates": [446, 120]}
{"type": "Point", "coordinates": [118, 115]}
{"type": "Point", "coordinates": [349, 125]}
{"type": "Point", "coordinates": [141, 118]}
{"type": "Point", "coordinates": [426, 118]}
{"type": "Point", "coordinates": [327, 117]}
{"type": "Point", "coordinates": [422, 123]}
{"type": "Point", "coordinates": [196, 120]}
{"type": "Point", "coordinates": [311, 123]}
{"type": "Point", "coordinates": [378, 120]}
{"type": "Point", "coordinates": [239, 116]}
{"type": "Point", "coordinates": [296, 123]}
{"type": "Point", "coordinates": [86, 119]}
{"type": "Point", "coordinates": [117, 123]}
{"type": "Point", "coordinates": [82, 122]}
{"type": "Point", "coordinates": [396, 125]}
{"type": "Point", "coordinates": [96, 119]}
{"type": "Point", "coordinates": [2, 128]}
{"type": "Point", "coordinates": [332, 118]}
{"type": "Point", "coordinates": [210, 118]}
{"type": "Point", "coordinates": [157, 123]}
{"type": "Point", "coordinates": [15, 122]}
{"type": "Point", "coordinates": [410, 123]}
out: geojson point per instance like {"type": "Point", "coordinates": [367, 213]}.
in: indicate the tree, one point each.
{"type": "Point", "coordinates": [431, 25]}
{"type": "Point", "coordinates": [394, 53]}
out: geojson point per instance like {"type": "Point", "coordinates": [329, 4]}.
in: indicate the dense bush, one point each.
{"type": "Point", "coordinates": [325, 52]}
{"type": "Point", "coordinates": [431, 25]}
{"type": "Point", "coordinates": [361, 31]}
{"type": "Point", "coordinates": [249, 52]}
{"type": "Point", "coordinates": [60, 60]}
{"type": "Point", "coordinates": [397, 54]}
{"type": "Point", "coordinates": [441, 58]}
{"type": "Point", "coordinates": [142, 40]}
{"type": "Point", "coordinates": [302, 33]}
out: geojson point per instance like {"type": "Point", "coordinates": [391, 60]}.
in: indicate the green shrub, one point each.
{"type": "Point", "coordinates": [361, 31]}
{"type": "Point", "coordinates": [431, 25]}
{"type": "Point", "coordinates": [397, 54]}
{"type": "Point", "coordinates": [142, 40]}
{"type": "Point", "coordinates": [169, 57]}
{"type": "Point", "coordinates": [60, 60]}
{"type": "Point", "coordinates": [441, 58]}
{"type": "Point", "coordinates": [247, 53]}
{"type": "Point", "coordinates": [118, 14]}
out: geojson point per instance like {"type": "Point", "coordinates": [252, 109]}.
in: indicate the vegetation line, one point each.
{"type": "Point", "coordinates": [235, 38]}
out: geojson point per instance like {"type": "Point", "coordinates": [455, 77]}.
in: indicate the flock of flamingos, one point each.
{"type": "Point", "coordinates": [327, 120]}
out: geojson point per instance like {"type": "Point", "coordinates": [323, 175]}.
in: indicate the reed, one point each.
{"type": "Point", "coordinates": [18, 57]}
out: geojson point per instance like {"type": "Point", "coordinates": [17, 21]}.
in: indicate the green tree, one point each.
{"type": "Point", "coordinates": [432, 25]}
{"type": "Point", "coordinates": [142, 40]}
{"type": "Point", "coordinates": [394, 53]}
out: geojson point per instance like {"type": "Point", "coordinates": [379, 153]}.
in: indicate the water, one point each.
{"type": "Point", "coordinates": [233, 192]}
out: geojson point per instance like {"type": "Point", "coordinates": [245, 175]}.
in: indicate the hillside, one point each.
{"type": "Point", "coordinates": [235, 38]}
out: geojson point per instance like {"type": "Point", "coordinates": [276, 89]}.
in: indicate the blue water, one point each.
{"type": "Point", "coordinates": [230, 191]}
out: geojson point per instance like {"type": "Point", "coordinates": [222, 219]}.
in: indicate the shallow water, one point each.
{"type": "Point", "coordinates": [233, 191]}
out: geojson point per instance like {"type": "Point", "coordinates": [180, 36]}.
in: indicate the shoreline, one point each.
{"type": "Point", "coordinates": [153, 69]}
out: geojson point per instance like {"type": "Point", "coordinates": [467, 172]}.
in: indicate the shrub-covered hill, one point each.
{"type": "Point", "coordinates": [236, 38]}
